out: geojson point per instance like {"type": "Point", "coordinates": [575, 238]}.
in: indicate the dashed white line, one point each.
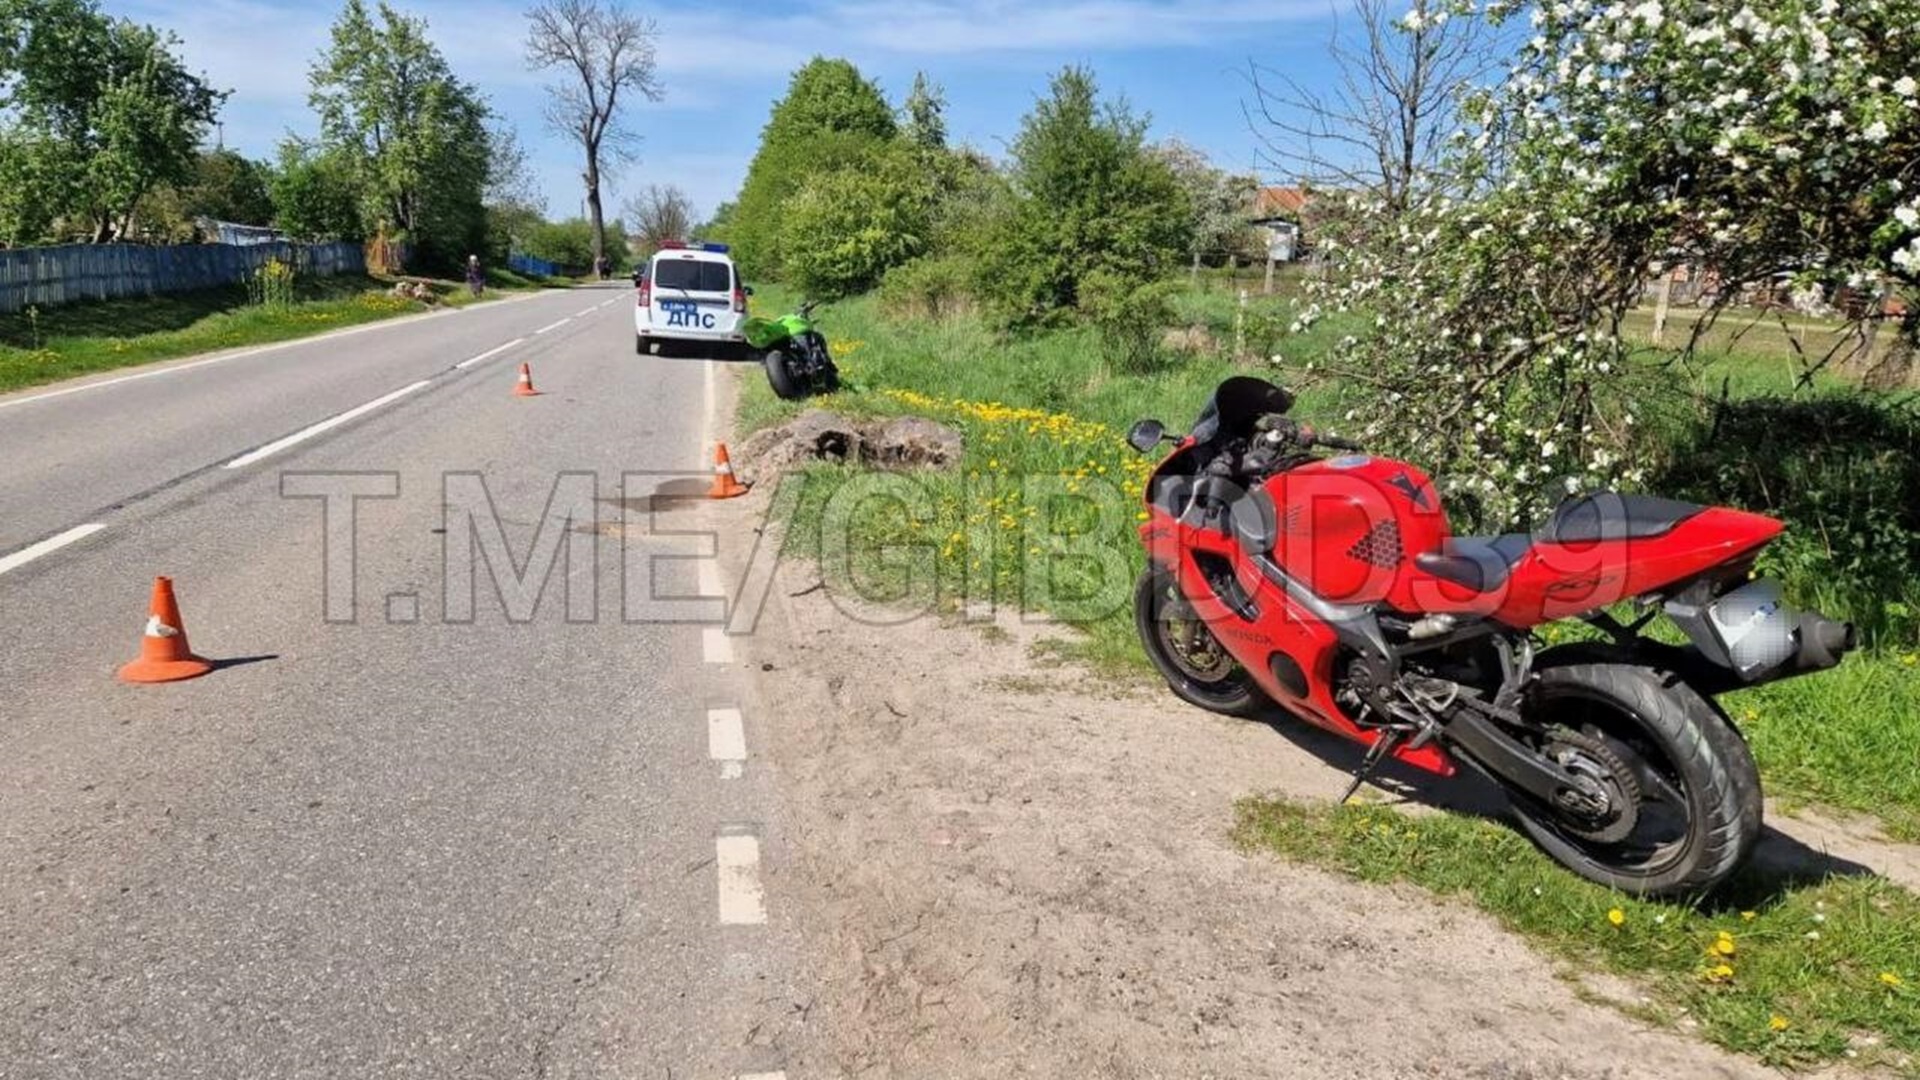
{"type": "Point", "coordinates": [710, 579]}
{"type": "Point", "coordinates": [742, 901]}
{"type": "Point", "coordinates": [54, 543]}
{"type": "Point", "coordinates": [584, 312]}
{"type": "Point", "coordinates": [489, 354]}
{"type": "Point", "coordinates": [554, 326]}
{"type": "Point", "coordinates": [325, 425]}
{"type": "Point", "coordinates": [727, 742]}
{"type": "Point", "coordinates": [715, 646]}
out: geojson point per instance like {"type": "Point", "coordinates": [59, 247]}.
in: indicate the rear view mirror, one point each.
{"type": "Point", "coordinates": [1146, 435]}
{"type": "Point", "coordinates": [748, 289]}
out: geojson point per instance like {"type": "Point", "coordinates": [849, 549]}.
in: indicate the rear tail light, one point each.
{"type": "Point", "coordinates": [739, 300]}
{"type": "Point", "coordinates": [646, 292]}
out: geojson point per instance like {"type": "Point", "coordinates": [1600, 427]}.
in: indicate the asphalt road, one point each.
{"type": "Point", "coordinates": [390, 836]}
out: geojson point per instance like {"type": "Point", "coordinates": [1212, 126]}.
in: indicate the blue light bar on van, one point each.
{"type": "Point", "coordinates": [717, 249]}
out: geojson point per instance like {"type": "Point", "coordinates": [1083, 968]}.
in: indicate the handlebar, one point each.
{"type": "Point", "coordinates": [1303, 435]}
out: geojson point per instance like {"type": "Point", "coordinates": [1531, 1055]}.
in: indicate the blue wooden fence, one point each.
{"type": "Point", "coordinates": [527, 264]}
{"type": "Point", "coordinates": [48, 276]}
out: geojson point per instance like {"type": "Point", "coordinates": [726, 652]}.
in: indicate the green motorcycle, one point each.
{"type": "Point", "coordinates": [794, 353]}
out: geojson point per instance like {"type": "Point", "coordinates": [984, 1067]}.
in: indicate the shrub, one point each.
{"type": "Point", "coordinates": [930, 287]}
{"type": "Point", "coordinates": [1844, 473]}
{"type": "Point", "coordinates": [1088, 198]}
{"type": "Point", "coordinates": [1128, 318]}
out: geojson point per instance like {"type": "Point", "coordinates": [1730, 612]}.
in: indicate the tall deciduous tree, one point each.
{"type": "Point", "coordinates": [1381, 125]}
{"type": "Point", "coordinates": [1090, 202]}
{"type": "Point", "coordinates": [926, 114]}
{"type": "Point", "coordinates": [658, 214]}
{"type": "Point", "coordinates": [101, 110]}
{"type": "Point", "coordinates": [832, 117]}
{"type": "Point", "coordinates": [607, 57]}
{"type": "Point", "coordinates": [415, 134]}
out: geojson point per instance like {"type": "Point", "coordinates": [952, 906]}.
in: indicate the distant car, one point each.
{"type": "Point", "coordinates": [689, 298]}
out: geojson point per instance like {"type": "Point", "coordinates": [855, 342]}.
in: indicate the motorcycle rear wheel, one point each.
{"type": "Point", "coordinates": [1179, 648]}
{"type": "Point", "coordinates": [1695, 810]}
{"type": "Point", "coordinates": [780, 376]}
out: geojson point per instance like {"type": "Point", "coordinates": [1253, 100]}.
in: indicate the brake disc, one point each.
{"type": "Point", "coordinates": [1606, 808]}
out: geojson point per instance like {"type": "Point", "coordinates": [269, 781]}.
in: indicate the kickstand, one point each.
{"type": "Point", "coordinates": [1376, 753]}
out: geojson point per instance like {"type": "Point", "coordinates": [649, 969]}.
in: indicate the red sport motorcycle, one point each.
{"type": "Point", "coordinates": [1334, 587]}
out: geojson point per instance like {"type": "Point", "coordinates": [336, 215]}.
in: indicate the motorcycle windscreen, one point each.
{"type": "Point", "coordinates": [1236, 404]}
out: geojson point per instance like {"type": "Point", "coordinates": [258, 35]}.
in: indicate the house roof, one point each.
{"type": "Point", "coordinates": [1280, 201]}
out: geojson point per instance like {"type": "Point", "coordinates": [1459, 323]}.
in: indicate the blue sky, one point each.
{"type": "Point", "coordinates": [724, 63]}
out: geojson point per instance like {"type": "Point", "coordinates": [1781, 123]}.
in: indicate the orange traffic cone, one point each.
{"type": "Point", "coordinates": [524, 388]}
{"type": "Point", "coordinates": [725, 485]}
{"type": "Point", "coordinates": [165, 655]}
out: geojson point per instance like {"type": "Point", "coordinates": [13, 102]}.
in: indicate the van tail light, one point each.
{"type": "Point", "coordinates": [646, 292]}
{"type": "Point", "coordinates": [739, 300]}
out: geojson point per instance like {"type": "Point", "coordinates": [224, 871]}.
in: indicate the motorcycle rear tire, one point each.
{"type": "Point", "coordinates": [1234, 694]}
{"type": "Point", "coordinates": [1706, 759]}
{"type": "Point", "coordinates": [780, 376]}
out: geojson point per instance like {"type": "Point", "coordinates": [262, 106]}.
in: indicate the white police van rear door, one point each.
{"type": "Point", "coordinates": [693, 295]}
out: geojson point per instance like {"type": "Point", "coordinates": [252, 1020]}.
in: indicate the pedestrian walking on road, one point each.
{"type": "Point", "coordinates": [475, 280]}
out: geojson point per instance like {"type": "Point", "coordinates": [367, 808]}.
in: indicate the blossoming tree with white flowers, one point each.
{"type": "Point", "coordinates": [1748, 140]}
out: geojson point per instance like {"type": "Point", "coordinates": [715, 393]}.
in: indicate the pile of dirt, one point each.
{"type": "Point", "coordinates": [818, 435]}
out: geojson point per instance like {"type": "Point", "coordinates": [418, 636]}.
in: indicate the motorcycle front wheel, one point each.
{"type": "Point", "coordinates": [1678, 798]}
{"type": "Point", "coordinates": [1196, 666]}
{"type": "Point", "coordinates": [780, 376]}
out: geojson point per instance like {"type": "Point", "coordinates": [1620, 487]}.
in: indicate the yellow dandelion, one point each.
{"type": "Point", "coordinates": [1776, 1022]}
{"type": "Point", "coordinates": [1723, 945]}
{"type": "Point", "coordinates": [1890, 978]}
{"type": "Point", "coordinates": [1720, 973]}
{"type": "Point", "coordinates": [1616, 917]}
{"type": "Point", "coordinates": [1748, 916]}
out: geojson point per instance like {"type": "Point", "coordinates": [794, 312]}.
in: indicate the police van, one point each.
{"type": "Point", "coordinates": [689, 299]}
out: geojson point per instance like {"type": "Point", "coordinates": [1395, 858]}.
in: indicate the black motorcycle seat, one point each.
{"type": "Point", "coordinates": [1480, 563]}
{"type": "Point", "coordinates": [1609, 515]}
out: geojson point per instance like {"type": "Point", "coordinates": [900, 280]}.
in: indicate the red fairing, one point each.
{"type": "Point", "coordinates": [1350, 526]}
{"type": "Point", "coordinates": [1280, 628]}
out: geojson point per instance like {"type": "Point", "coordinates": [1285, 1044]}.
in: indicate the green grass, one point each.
{"type": "Point", "coordinates": [1046, 407]}
{"type": "Point", "coordinates": [1795, 972]}
{"type": "Point", "coordinates": [1043, 513]}
{"type": "Point", "coordinates": [62, 342]}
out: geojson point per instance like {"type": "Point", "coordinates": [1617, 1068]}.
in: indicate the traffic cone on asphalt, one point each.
{"type": "Point", "coordinates": [725, 485]}
{"type": "Point", "coordinates": [165, 655]}
{"type": "Point", "coordinates": [524, 388]}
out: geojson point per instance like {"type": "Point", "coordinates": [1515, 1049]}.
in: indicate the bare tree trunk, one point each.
{"type": "Point", "coordinates": [1665, 298]}
{"type": "Point", "coordinates": [596, 218]}
{"type": "Point", "coordinates": [1267, 290]}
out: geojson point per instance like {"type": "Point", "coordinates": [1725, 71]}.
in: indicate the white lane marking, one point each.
{"type": "Point", "coordinates": [324, 426]}
{"type": "Point", "coordinates": [490, 353]}
{"type": "Point", "coordinates": [727, 742]}
{"type": "Point", "coordinates": [761, 1076]}
{"type": "Point", "coordinates": [50, 545]}
{"type": "Point", "coordinates": [710, 584]}
{"type": "Point", "coordinates": [554, 326]}
{"type": "Point", "coordinates": [715, 645]}
{"type": "Point", "coordinates": [241, 355]}
{"type": "Point", "coordinates": [742, 901]}
{"type": "Point", "coordinates": [586, 311]}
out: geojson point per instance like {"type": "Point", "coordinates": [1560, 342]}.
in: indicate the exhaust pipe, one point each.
{"type": "Point", "coordinates": [1822, 644]}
